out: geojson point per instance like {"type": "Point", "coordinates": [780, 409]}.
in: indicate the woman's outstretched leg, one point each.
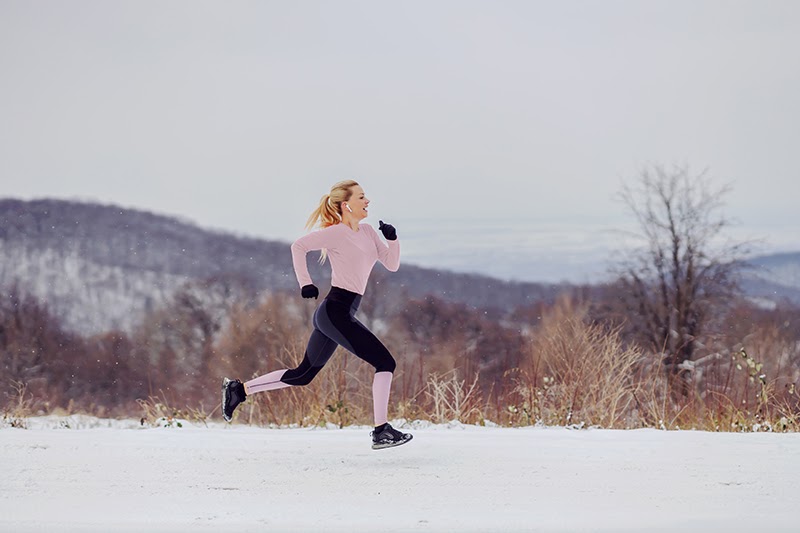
{"type": "Point", "coordinates": [235, 392]}
{"type": "Point", "coordinates": [319, 350]}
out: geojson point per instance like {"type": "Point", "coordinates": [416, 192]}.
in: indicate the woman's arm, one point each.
{"type": "Point", "coordinates": [389, 253]}
{"type": "Point", "coordinates": [315, 240]}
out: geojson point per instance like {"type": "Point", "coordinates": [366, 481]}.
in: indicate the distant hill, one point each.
{"type": "Point", "coordinates": [774, 277]}
{"type": "Point", "coordinates": [99, 267]}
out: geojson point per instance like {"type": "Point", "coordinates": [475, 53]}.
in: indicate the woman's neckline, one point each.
{"type": "Point", "coordinates": [358, 230]}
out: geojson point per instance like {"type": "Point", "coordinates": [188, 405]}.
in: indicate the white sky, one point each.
{"type": "Point", "coordinates": [240, 115]}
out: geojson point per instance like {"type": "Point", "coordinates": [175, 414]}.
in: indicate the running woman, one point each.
{"type": "Point", "coordinates": [353, 249]}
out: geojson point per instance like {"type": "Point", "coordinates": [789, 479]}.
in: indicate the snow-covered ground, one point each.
{"type": "Point", "coordinates": [114, 476]}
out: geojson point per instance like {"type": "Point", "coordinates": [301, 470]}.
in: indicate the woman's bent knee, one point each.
{"type": "Point", "coordinates": [302, 375]}
{"type": "Point", "coordinates": [386, 365]}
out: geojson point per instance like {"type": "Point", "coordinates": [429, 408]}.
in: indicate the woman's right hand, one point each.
{"type": "Point", "coordinates": [310, 291]}
{"type": "Point", "coordinates": [389, 233]}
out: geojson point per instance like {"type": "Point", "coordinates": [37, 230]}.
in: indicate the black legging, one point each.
{"type": "Point", "coordinates": [335, 324]}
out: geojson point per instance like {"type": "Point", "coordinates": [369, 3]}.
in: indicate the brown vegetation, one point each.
{"type": "Point", "coordinates": [568, 363]}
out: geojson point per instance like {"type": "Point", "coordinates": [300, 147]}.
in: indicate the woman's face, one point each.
{"type": "Point", "coordinates": [358, 203]}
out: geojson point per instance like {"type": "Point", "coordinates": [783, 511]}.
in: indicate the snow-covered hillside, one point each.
{"type": "Point", "coordinates": [89, 296]}
{"type": "Point", "coordinates": [100, 267]}
{"type": "Point", "coordinates": [774, 277]}
{"type": "Point", "coordinates": [114, 476]}
{"type": "Point", "coordinates": [782, 268]}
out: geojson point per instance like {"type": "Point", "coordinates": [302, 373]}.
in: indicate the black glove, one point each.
{"type": "Point", "coordinates": [309, 291]}
{"type": "Point", "coordinates": [388, 231]}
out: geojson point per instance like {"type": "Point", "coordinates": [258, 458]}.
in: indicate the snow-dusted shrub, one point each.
{"type": "Point", "coordinates": [576, 373]}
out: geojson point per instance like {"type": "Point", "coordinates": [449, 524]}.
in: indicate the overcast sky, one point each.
{"type": "Point", "coordinates": [529, 115]}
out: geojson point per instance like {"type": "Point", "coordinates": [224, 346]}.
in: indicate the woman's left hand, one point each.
{"type": "Point", "coordinates": [388, 231]}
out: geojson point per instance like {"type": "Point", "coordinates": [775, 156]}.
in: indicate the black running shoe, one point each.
{"type": "Point", "coordinates": [389, 437]}
{"type": "Point", "coordinates": [232, 395]}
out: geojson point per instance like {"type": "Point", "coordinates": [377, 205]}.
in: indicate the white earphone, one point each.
{"type": "Point", "coordinates": [348, 208]}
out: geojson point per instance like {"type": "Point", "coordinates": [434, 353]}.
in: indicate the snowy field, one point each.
{"type": "Point", "coordinates": [105, 476]}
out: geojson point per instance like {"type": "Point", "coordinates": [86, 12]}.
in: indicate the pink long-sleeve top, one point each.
{"type": "Point", "coordinates": [352, 255]}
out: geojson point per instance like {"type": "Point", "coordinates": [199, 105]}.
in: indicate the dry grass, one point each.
{"type": "Point", "coordinates": [572, 373]}
{"type": "Point", "coordinates": [18, 406]}
{"type": "Point", "coordinates": [576, 374]}
{"type": "Point", "coordinates": [453, 399]}
{"type": "Point", "coordinates": [156, 411]}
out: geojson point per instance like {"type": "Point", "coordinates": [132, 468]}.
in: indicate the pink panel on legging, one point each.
{"type": "Point", "coordinates": [381, 386]}
{"type": "Point", "coordinates": [267, 382]}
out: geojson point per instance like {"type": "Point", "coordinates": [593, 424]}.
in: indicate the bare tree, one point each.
{"type": "Point", "coordinates": [686, 266]}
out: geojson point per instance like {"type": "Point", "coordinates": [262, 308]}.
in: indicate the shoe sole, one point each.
{"type": "Point", "coordinates": [392, 445]}
{"type": "Point", "coordinates": [224, 398]}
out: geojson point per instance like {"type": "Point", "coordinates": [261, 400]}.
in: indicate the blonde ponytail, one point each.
{"type": "Point", "coordinates": [329, 211]}
{"type": "Point", "coordinates": [324, 215]}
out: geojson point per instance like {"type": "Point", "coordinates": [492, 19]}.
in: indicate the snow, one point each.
{"type": "Point", "coordinates": [81, 474]}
